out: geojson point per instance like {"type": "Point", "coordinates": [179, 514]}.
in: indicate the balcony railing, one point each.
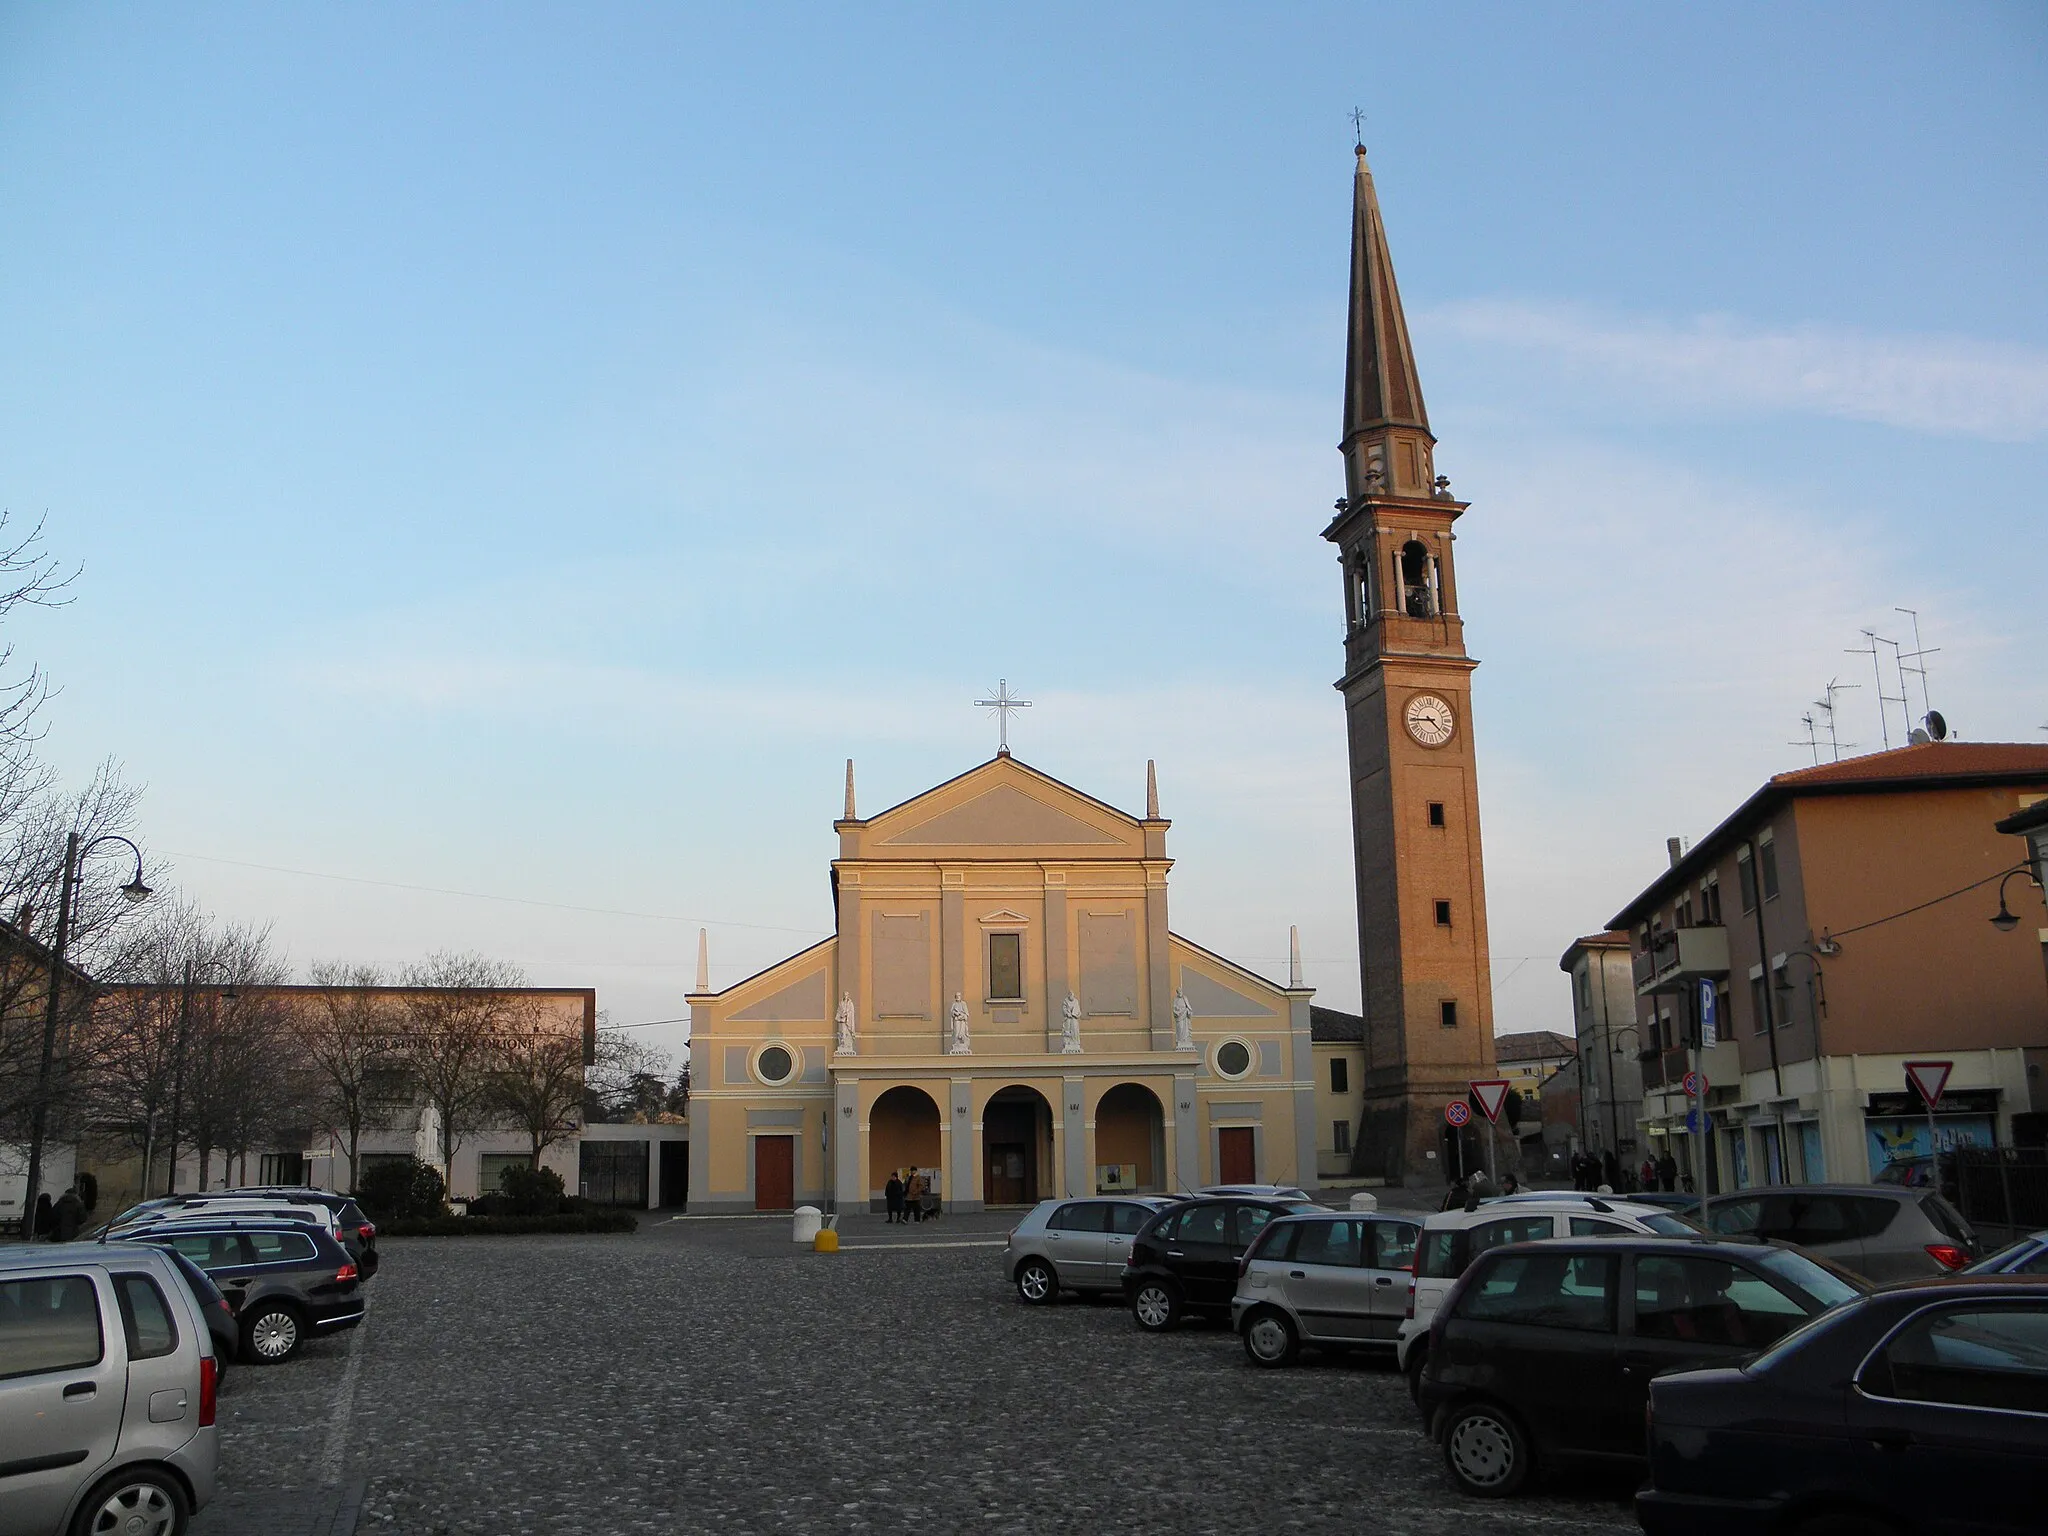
{"type": "Point", "coordinates": [1680, 956]}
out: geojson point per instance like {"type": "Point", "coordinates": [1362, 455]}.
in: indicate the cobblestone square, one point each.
{"type": "Point", "coordinates": [706, 1375]}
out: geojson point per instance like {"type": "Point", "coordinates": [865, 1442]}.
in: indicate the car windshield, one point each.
{"type": "Point", "coordinates": [1797, 1336]}
{"type": "Point", "coordinates": [1666, 1225]}
{"type": "Point", "coordinates": [1991, 1263]}
{"type": "Point", "coordinates": [1821, 1282]}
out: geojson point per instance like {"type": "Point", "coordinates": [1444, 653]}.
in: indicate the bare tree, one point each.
{"type": "Point", "coordinates": [538, 1083]}
{"type": "Point", "coordinates": [455, 1009]}
{"type": "Point", "coordinates": [346, 1037]}
{"type": "Point", "coordinates": [237, 1054]}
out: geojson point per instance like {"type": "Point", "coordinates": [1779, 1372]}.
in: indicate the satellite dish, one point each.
{"type": "Point", "coordinates": [1936, 726]}
{"type": "Point", "coordinates": [1918, 738]}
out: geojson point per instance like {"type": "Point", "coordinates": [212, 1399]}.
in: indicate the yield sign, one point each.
{"type": "Point", "coordinates": [1491, 1095]}
{"type": "Point", "coordinates": [1930, 1077]}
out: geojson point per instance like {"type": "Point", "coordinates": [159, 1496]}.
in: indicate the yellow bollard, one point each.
{"type": "Point", "coordinates": [827, 1241]}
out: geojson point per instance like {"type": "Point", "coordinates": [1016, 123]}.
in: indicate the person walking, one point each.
{"type": "Point", "coordinates": [1610, 1170]}
{"type": "Point", "coordinates": [1648, 1172]}
{"type": "Point", "coordinates": [1667, 1172]}
{"type": "Point", "coordinates": [67, 1216]}
{"type": "Point", "coordinates": [913, 1195]}
{"type": "Point", "coordinates": [892, 1195]}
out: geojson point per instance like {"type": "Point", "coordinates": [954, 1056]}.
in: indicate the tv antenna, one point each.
{"type": "Point", "coordinates": [1872, 640]}
{"type": "Point", "coordinates": [1812, 741]}
{"type": "Point", "coordinates": [1826, 705]}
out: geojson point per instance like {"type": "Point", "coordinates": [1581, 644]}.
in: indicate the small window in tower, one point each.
{"type": "Point", "coordinates": [1436, 813]}
{"type": "Point", "coordinates": [1448, 1012]}
{"type": "Point", "coordinates": [1418, 594]}
{"type": "Point", "coordinates": [1340, 1075]}
{"type": "Point", "coordinates": [1443, 914]}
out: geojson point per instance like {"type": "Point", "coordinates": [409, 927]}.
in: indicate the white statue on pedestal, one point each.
{"type": "Point", "coordinates": [958, 1044]}
{"type": "Point", "coordinates": [1070, 1026]}
{"type": "Point", "coordinates": [847, 1044]}
{"type": "Point", "coordinates": [1183, 1022]}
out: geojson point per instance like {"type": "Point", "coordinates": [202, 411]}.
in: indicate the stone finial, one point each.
{"type": "Point", "coordinates": [849, 792]}
{"type": "Point", "coordinates": [1294, 955]}
{"type": "Point", "coordinates": [703, 960]}
{"type": "Point", "coordinates": [1151, 790]}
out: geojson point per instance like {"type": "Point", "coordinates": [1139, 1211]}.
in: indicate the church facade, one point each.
{"type": "Point", "coordinates": [1002, 1005]}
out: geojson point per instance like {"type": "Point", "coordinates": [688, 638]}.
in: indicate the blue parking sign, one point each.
{"type": "Point", "coordinates": [1692, 1121]}
{"type": "Point", "coordinates": [1710, 1020]}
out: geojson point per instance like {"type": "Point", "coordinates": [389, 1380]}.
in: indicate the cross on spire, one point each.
{"type": "Point", "coordinates": [1002, 703]}
{"type": "Point", "coordinates": [1358, 124]}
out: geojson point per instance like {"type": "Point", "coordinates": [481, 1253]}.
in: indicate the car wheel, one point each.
{"type": "Point", "coordinates": [1155, 1307]}
{"type": "Point", "coordinates": [1486, 1451]}
{"type": "Point", "coordinates": [136, 1501]}
{"type": "Point", "coordinates": [1270, 1339]}
{"type": "Point", "coordinates": [1036, 1282]}
{"type": "Point", "coordinates": [272, 1335]}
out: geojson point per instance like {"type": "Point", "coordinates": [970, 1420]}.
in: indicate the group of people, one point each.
{"type": "Point", "coordinates": [1466, 1193]}
{"type": "Point", "coordinates": [61, 1218]}
{"type": "Point", "coordinates": [1602, 1172]}
{"type": "Point", "coordinates": [909, 1195]}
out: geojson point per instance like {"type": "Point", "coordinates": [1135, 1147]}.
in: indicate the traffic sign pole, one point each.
{"type": "Point", "coordinates": [1929, 1079]}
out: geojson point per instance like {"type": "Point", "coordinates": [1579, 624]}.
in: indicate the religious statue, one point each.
{"type": "Point", "coordinates": [958, 1045]}
{"type": "Point", "coordinates": [1183, 1022]}
{"type": "Point", "coordinates": [847, 1045]}
{"type": "Point", "coordinates": [1070, 1026]}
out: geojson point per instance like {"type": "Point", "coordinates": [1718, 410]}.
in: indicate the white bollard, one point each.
{"type": "Point", "coordinates": [807, 1224]}
{"type": "Point", "coordinates": [1364, 1200]}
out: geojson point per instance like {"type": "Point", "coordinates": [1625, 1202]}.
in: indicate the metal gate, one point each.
{"type": "Point", "coordinates": [613, 1173]}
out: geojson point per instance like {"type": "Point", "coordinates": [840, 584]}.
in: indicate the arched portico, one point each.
{"type": "Point", "coordinates": [903, 1132]}
{"type": "Point", "coordinates": [1018, 1164]}
{"type": "Point", "coordinates": [1130, 1139]}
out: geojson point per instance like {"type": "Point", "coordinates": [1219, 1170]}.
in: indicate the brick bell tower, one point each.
{"type": "Point", "coordinates": [1422, 948]}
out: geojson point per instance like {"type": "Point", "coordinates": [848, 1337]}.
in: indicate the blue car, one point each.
{"type": "Point", "coordinates": [2028, 1256]}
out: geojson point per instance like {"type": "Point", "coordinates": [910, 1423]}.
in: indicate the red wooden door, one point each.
{"type": "Point", "coordinates": [774, 1173]}
{"type": "Point", "coordinates": [1235, 1160]}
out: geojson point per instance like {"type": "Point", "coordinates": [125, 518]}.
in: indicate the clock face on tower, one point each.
{"type": "Point", "coordinates": [1430, 720]}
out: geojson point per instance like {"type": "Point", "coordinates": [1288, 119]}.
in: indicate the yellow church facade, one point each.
{"type": "Point", "coordinates": [1004, 1006]}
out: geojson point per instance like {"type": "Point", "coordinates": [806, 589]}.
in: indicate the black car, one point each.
{"type": "Point", "coordinates": [215, 1308]}
{"type": "Point", "coordinates": [1184, 1260]}
{"type": "Point", "coordinates": [1922, 1408]}
{"type": "Point", "coordinates": [357, 1232]}
{"type": "Point", "coordinates": [1544, 1351]}
{"type": "Point", "coordinates": [285, 1279]}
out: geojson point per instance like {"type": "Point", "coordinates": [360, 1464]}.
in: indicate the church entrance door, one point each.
{"type": "Point", "coordinates": [1016, 1139]}
{"type": "Point", "coordinates": [774, 1173]}
{"type": "Point", "coordinates": [1236, 1156]}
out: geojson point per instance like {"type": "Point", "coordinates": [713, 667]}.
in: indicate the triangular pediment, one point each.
{"type": "Point", "coordinates": [1004, 805]}
{"type": "Point", "coordinates": [1211, 999]}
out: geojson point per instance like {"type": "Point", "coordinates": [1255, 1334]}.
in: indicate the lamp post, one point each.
{"type": "Point", "coordinates": [178, 1068]}
{"type": "Point", "coordinates": [39, 1122]}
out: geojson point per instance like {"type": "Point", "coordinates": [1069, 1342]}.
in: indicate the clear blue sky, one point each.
{"type": "Point", "coordinates": [526, 450]}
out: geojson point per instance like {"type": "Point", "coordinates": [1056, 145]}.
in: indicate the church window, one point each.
{"type": "Point", "coordinates": [1443, 914]}
{"type": "Point", "coordinates": [775, 1065]}
{"type": "Point", "coordinates": [1447, 1013]}
{"type": "Point", "coordinates": [1005, 967]}
{"type": "Point", "coordinates": [1436, 813]}
{"type": "Point", "coordinates": [1340, 1075]}
{"type": "Point", "coordinates": [1233, 1059]}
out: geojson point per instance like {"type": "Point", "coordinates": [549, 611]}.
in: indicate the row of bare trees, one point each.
{"type": "Point", "coordinates": [239, 1061]}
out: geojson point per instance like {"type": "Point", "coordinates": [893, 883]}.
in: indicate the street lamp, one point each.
{"type": "Point", "coordinates": [227, 994]}
{"type": "Point", "coordinates": [135, 891]}
{"type": "Point", "coordinates": [2007, 919]}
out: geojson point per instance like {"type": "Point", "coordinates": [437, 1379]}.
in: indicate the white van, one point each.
{"type": "Point", "coordinates": [1451, 1240]}
{"type": "Point", "coordinates": [107, 1383]}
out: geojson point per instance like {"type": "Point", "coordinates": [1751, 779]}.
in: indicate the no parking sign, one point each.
{"type": "Point", "coordinates": [1457, 1112]}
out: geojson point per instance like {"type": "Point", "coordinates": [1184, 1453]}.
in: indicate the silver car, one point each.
{"type": "Point", "coordinates": [1879, 1231]}
{"type": "Point", "coordinates": [107, 1383]}
{"type": "Point", "coordinates": [1075, 1245]}
{"type": "Point", "coordinates": [1337, 1282]}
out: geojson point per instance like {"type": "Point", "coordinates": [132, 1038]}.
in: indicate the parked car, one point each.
{"type": "Point", "coordinates": [1258, 1191]}
{"type": "Point", "coordinates": [286, 1280]}
{"type": "Point", "coordinates": [107, 1392]}
{"type": "Point", "coordinates": [357, 1232]}
{"type": "Point", "coordinates": [1544, 1351]}
{"type": "Point", "coordinates": [1920, 1409]}
{"type": "Point", "coordinates": [1881, 1231]}
{"type": "Point", "coordinates": [218, 1311]}
{"type": "Point", "coordinates": [1075, 1245]}
{"type": "Point", "coordinates": [1334, 1281]}
{"type": "Point", "coordinates": [1451, 1240]}
{"type": "Point", "coordinates": [2028, 1256]}
{"type": "Point", "coordinates": [1184, 1260]}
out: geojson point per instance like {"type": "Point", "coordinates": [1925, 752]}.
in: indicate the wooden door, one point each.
{"type": "Point", "coordinates": [1236, 1161]}
{"type": "Point", "coordinates": [774, 1173]}
{"type": "Point", "coordinates": [1006, 1182]}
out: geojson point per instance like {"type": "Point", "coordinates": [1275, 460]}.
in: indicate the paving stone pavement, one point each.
{"type": "Point", "coordinates": [708, 1375]}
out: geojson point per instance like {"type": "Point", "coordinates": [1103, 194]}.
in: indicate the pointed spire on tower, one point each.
{"type": "Point", "coordinates": [1294, 956]}
{"type": "Point", "coordinates": [849, 792]}
{"type": "Point", "coordinates": [1151, 790]}
{"type": "Point", "coordinates": [1381, 386]}
{"type": "Point", "coordinates": [703, 960]}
